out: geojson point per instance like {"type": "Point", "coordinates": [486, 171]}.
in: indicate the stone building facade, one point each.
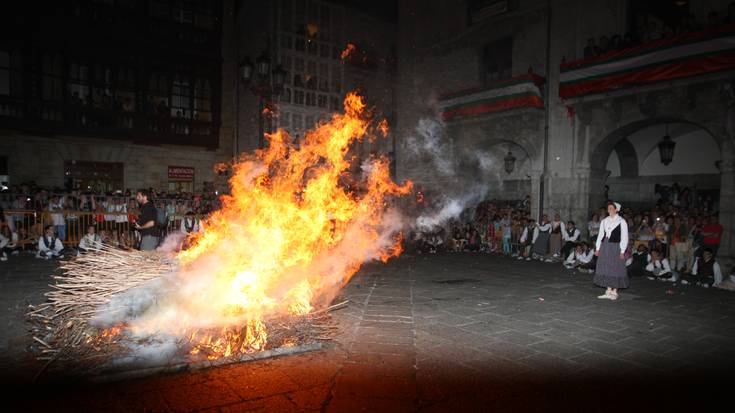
{"type": "Point", "coordinates": [132, 102]}
{"type": "Point", "coordinates": [569, 139]}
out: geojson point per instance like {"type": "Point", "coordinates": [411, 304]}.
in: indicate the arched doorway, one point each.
{"type": "Point", "coordinates": [637, 177]}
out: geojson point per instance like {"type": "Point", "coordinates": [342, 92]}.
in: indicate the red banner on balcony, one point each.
{"type": "Point", "coordinates": [518, 92]}
{"type": "Point", "coordinates": [687, 55]}
{"type": "Point", "coordinates": [180, 173]}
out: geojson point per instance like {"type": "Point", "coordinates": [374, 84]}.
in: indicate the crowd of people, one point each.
{"type": "Point", "coordinates": [672, 241]}
{"type": "Point", "coordinates": [55, 223]}
{"type": "Point", "coordinates": [652, 30]}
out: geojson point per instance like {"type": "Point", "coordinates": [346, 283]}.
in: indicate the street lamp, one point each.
{"type": "Point", "coordinates": [666, 148]}
{"type": "Point", "coordinates": [510, 162]}
{"type": "Point", "coordinates": [266, 85]}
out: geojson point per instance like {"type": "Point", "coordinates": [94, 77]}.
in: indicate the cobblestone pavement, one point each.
{"type": "Point", "coordinates": [454, 332]}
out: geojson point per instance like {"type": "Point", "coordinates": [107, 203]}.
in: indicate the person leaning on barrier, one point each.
{"type": "Point", "coordinates": [49, 245]}
{"type": "Point", "coordinates": [146, 223]}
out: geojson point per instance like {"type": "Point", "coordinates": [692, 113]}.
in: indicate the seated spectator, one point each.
{"type": "Point", "coordinates": [581, 257]}
{"type": "Point", "coordinates": [603, 46]}
{"type": "Point", "coordinates": [528, 237]}
{"type": "Point", "coordinates": [713, 20]}
{"type": "Point", "coordinates": [49, 245]}
{"type": "Point", "coordinates": [190, 224]}
{"type": "Point", "coordinates": [706, 271]}
{"type": "Point", "coordinates": [90, 241]}
{"type": "Point", "coordinates": [571, 238]}
{"type": "Point", "coordinates": [658, 267]}
{"type": "Point", "coordinates": [541, 236]}
{"type": "Point", "coordinates": [8, 245]}
{"type": "Point", "coordinates": [590, 50]}
{"type": "Point", "coordinates": [638, 262]}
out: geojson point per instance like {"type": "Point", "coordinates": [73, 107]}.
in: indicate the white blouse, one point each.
{"type": "Point", "coordinates": [607, 226]}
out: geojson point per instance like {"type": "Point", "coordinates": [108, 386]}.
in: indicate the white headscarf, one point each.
{"type": "Point", "coordinates": [617, 206]}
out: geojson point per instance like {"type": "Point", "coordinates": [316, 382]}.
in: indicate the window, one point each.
{"type": "Point", "coordinates": [158, 89]}
{"type": "Point", "coordinates": [125, 89]}
{"type": "Point", "coordinates": [299, 97]}
{"type": "Point", "coordinates": [310, 99]}
{"type": "Point", "coordinates": [322, 101]}
{"type": "Point", "coordinates": [285, 120]}
{"type": "Point", "coordinates": [180, 97]}
{"type": "Point", "coordinates": [498, 60]}
{"type": "Point", "coordinates": [102, 86]}
{"type": "Point", "coordinates": [334, 103]}
{"type": "Point", "coordinates": [78, 84]}
{"type": "Point", "coordinates": [202, 100]}
{"type": "Point", "coordinates": [309, 122]}
{"type": "Point", "coordinates": [52, 87]}
{"type": "Point", "coordinates": [285, 96]}
{"type": "Point", "coordinates": [311, 82]}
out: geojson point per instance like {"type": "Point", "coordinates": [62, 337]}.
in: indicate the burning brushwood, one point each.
{"type": "Point", "coordinates": [261, 275]}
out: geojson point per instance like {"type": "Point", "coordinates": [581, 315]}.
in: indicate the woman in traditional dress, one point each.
{"type": "Point", "coordinates": [556, 236]}
{"type": "Point", "coordinates": [612, 242]}
{"type": "Point", "coordinates": [541, 238]}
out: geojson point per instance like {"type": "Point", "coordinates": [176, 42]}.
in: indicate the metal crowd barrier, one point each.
{"type": "Point", "coordinates": [76, 223]}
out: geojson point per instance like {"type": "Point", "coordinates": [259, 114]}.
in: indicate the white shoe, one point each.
{"type": "Point", "coordinates": [613, 297]}
{"type": "Point", "coordinates": [528, 258]}
{"type": "Point", "coordinates": [650, 278]}
{"type": "Point", "coordinates": [705, 285]}
{"type": "Point", "coordinates": [604, 296]}
{"type": "Point", "coordinates": [16, 252]}
{"type": "Point", "coordinates": [4, 258]}
{"type": "Point", "coordinates": [684, 282]}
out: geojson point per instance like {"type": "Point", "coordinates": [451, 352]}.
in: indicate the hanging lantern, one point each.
{"type": "Point", "coordinates": [510, 162]}
{"type": "Point", "coordinates": [666, 148]}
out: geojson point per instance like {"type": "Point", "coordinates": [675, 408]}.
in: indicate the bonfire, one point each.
{"type": "Point", "coordinates": [263, 274]}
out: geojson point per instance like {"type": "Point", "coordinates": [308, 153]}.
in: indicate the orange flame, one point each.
{"type": "Point", "coordinates": [289, 235]}
{"type": "Point", "coordinates": [348, 51]}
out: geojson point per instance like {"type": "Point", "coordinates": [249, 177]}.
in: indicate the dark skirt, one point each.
{"type": "Point", "coordinates": [541, 246]}
{"type": "Point", "coordinates": [611, 271]}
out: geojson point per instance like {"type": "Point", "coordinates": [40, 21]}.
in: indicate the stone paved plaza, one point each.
{"type": "Point", "coordinates": [453, 332]}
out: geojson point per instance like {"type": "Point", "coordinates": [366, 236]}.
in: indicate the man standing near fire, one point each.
{"type": "Point", "coordinates": [146, 223]}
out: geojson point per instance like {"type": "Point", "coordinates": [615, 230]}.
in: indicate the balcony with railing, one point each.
{"type": "Point", "coordinates": [684, 56]}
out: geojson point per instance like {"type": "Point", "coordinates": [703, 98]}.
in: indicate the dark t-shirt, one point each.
{"type": "Point", "coordinates": [147, 214]}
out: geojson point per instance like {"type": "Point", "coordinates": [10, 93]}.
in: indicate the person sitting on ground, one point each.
{"type": "Point", "coordinates": [638, 262]}
{"type": "Point", "coordinates": [706, 271]}
{"type": "Point", "coordinates": [458, 239]}
{"type": "Point", "coordinates": [5, 243]}
{"type": "Point", "coordinates": [190, 224]}
{"type": "Point", "coordinates": [90, 241]}
{"type": "Point", "coordinates": [658, 267]}
{"type": "Point", "coordinates": [581, 257]}
{"type": "Point", "coordinates": [528, 237]}
{"type": "Point", "coordinates": [571, 238]}
{"type": "Point", "coordinates": [49, 245]}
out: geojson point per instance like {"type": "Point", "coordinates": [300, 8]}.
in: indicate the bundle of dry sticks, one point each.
{"type": "Point", "coordinates": [61, 327]}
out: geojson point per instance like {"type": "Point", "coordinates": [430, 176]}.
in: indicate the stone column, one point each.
{"type": "Point", "coordinates": [726, 253]}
